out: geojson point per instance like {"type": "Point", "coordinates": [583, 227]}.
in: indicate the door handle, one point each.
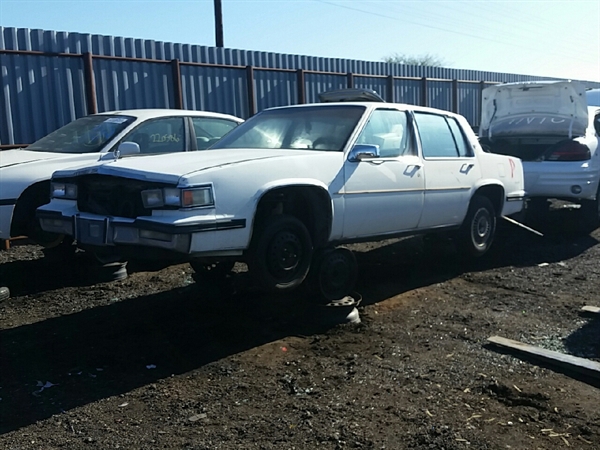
{"type": "Point", "coordinates": [411, 169]}
{"type": "Point", "coordinates": [465, 168]}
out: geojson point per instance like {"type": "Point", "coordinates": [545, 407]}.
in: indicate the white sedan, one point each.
{"type": "Point", "coordinates": [25, 173]}
{"type": "Point", "coordinates": [553, 127]}
{"type": "Point", "coordinates": [292, 180]}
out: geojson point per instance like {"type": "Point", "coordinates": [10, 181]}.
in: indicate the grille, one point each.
{"type": "Point", "coordinates": [113, 196]}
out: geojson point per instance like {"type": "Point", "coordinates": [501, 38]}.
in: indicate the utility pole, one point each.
{"type": "Point", "coordinates": [218, 23]}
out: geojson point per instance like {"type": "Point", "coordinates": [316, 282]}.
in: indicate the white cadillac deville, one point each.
{"type": "Point", "coordinates": [25, 173]}
{"type": "Point", "coordinates": [292, 183]}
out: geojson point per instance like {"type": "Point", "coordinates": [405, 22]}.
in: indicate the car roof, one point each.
{"type": "Point", "coordinates": [165, 112]}
{"type": "Point", "coordinates": [371, 105]}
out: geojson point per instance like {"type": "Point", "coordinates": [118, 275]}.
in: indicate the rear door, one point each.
{"type": "Point", "coordinates": [450, 168]}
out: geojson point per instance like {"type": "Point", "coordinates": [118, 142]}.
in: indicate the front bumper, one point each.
{"type": "Point", "coordinates": [156, 232]}
{"type": "Point", "coordinates": [6, 214]}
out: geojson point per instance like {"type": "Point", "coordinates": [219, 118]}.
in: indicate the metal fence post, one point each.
{"type": "Point", "coordinates": [90, 83]}
{"type": "Point", "coordinates": [455, 96]}
{"type": "Point", "coordinates": [251, 91]}
{"type": "Point", "coordinates": [424, 96]}
{"type": "Point", "coordinates": [350, 80]}
{"type": "Point", "coordinates": [301, 87]}
{"type": "Point", "coordinates": [390, 89]}
{"type": "Point", "coordinates": [177, 90]}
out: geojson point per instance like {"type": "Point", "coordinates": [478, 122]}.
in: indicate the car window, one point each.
{"type": "Point", "coordinates": [164, 135]}
{"type": "Point", "coordinates": [85, 135]}
{"type": "Point", "coordinates": [209, 130]}
{"type": "Point", "coordinates": [323, 127]}
{"type": "Point", "coordinates": [387, 128]}
{"type": "Point", "coordinates": [464, 149]}
{"type": "Point", "coordinates": [437, 140]}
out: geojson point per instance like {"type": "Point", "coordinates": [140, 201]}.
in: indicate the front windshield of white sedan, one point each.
{"type": "Point", "coordinates": [85, 135]}
{"type": "Point", "coordinates": [325, 128]}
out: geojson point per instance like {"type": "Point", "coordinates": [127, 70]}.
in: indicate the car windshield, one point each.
{"type": "Point", "coordinates": [85, 135]}
{"type": "Point", "coordinates": [325, 128]}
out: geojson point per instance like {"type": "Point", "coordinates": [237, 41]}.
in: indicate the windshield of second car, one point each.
{"type": "Point", "coordinates": [85, 135]}
{"type": "Point", "coordinates": [325, 128]}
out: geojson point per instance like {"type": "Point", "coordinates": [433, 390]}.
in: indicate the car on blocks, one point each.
{"type": "Point", "coordinates": [284, 190]}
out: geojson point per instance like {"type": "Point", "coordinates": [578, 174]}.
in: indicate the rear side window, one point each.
{"type": "Point", "coordinates": [441, 137]}
{"type": "Point", "coordinates": [165, 135]}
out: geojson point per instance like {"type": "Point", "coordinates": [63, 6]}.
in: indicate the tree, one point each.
{"type": "Point", "coordinates": [419, 60]}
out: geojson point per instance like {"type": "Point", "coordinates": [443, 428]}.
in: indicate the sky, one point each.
{"type": "Point", "coordinates": [558, 38]}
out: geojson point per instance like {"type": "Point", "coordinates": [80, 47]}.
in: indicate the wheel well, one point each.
{"type": "Point", "coordinates": [309, 204]}
{"type": "Point", "coordinates": [36, 195]}
{"type": "Point", "coordinates": [495, 194]}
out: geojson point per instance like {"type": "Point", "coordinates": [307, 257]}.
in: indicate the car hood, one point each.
{"type": "Point", "coordinates": [534, 108]}
{"type": "Point", "coordinates": [22, 156]}
{"type": "Point", "coordinates": [170, 168]}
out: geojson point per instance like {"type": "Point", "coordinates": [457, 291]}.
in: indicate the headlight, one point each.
{"type": "Point", "coordinates": [180, 198]}
{"type": "Point", "coordinates": [63, 190]}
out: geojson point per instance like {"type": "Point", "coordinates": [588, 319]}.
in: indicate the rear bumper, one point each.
{"type": "Point", "coordinates": [568, 180]}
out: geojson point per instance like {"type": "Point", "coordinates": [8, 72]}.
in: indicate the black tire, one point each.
{"type": "Point", "coordinates": [333, 274]}
{"type": "Point", "coordinates": [478, 229]}
{"type": "Point", "coordinates": [590, 214]}
{"type": "Point", "coordinates": [280, 254]}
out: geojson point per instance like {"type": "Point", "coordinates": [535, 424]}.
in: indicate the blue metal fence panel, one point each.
{"type": "Point", "coordinates": [408, 91]}
{"type": "Point", "coordinates": [275, 88]}
{"type": "Point", "coordinates": [378, 84]}
{"type": "Point", "coordinates": [41, 92]}
{"type": "Point", "coordinates": [317, 83]}
{"type": "Point", "coordinates": [439, 94]}
{"type": "Point", "coordinates": [469, 101]}
{"type": "Point", "coordinates": [215, 89]}
{"type": "Point", "coordinates": [124, 84]}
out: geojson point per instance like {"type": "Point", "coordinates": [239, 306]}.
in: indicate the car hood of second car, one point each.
{"type": "Point", "coordinates": [24, 156]}
{"type": "Point", "coordinates": [534, 108]}
{"type": "Point", "coordinates": [170, 168]}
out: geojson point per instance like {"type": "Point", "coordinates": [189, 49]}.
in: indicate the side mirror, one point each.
{"type": "Point", "coordinates": [124, 148]}
{"type": "Point", "coordinates": [362, 151]}
{"type": "Point", "coordinates": [128, 148]}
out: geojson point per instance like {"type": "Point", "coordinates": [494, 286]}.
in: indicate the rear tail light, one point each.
{"type": "Point", "coordinates": [568, 151]}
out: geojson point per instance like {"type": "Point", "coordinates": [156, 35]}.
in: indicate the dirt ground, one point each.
{"type": "Point", "coordinates": [158, 361]}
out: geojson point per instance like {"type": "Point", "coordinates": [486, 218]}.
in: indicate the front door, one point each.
{"type": "Point", "coordinates": [384, 194]}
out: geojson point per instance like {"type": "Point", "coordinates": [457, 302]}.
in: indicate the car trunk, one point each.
{"type": "Point", "coordinates": [535, 121]}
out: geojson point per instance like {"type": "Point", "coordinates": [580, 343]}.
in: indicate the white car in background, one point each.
{"type": "Point", "coordinates": [554, 129]}
{"type": "Point", "coordinates": [25, 173]}
{"type": "Point", "coordinates": [290, 183]}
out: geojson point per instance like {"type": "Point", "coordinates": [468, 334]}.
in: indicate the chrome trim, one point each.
{"type": "Point", "coordinates": [384, 191]}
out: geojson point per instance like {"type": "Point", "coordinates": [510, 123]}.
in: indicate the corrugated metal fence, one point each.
{"type": "Point", "coordinates": [50, 78]}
